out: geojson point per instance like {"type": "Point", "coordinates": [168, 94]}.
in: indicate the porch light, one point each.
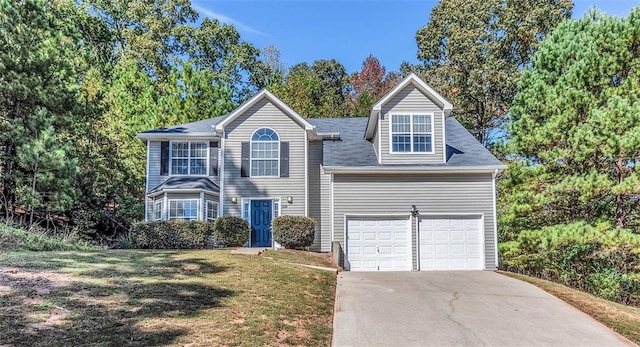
{"type": "Point", "coordinates": [234, 199]}
{"type": "Point", "coordinates": [414, 211]}
{"type": "Point", "coordinates": [290, 199]}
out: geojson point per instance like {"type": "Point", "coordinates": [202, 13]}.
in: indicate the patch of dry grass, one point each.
{"type": "Point", "coordinates": [301, 257]}
{"type": "Point", "coordinates": [142, 298]}
{"type": "Point", "coordinates": [623, 319]}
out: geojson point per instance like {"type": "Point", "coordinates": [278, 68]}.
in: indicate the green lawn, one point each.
{"type": "Point", "coordinates": [116, 298]}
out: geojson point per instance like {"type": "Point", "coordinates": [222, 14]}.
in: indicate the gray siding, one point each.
{"type": "Point", "coordinates": [325, 208]}
{"type": "Point", "coordinates": [411, 100]}
{"type": "Point", "coordinates": [315, 199]}
{"type": "Point", "coordinates": [153, 167]}
{"type": "Point", "coordinates": [264, 114]}
{"type": "Point", "coordinates": [432, 194]}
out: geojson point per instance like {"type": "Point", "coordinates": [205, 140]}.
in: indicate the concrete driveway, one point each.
{"type": "Point", "coordinates": [471, 308]}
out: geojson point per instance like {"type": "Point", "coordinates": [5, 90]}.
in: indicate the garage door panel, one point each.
{"type": "Point", "coordinates": [450, 243]}
{"type": "Point", "coordinates": [378, 244]}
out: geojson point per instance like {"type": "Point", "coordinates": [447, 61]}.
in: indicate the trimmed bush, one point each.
{"type": "Point", "coordinates": [597, 259]}
{"type": "Point", "coordinates": [171, 234]}
{"type": "Point", "coordinates": [293, 231]}
{"type": "Point", "coordinates": [230, 231]}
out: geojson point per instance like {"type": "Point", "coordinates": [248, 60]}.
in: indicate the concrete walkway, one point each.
{"type": "Point", "coordinates": [476, 308]}
{"type": "Point", "coordinates": [249, 250]}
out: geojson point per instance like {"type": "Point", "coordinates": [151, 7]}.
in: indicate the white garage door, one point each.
{"type": "Point", "coordinates": [378, 245]}
{"type": "Point", "coordinates": [451, 243]}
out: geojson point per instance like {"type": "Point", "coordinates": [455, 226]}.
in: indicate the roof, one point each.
{"type": "Point", "coordinates": [353, 150]}
{"type": "Point", "coordinates": [186, 183]}
{"type": "Point", "coordinates": [198, 128]}
{"type": "Point", "coordinates": [440, 100]}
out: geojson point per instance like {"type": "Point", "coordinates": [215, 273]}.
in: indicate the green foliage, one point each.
{"type": "Point", "coordinates": [575, 129]}
{"type": "Point", "coordinates": [369, 85]}
{"type": "Point", "coordinates": [171, 234]}
{"type": "Point", "coordinates": [598, 259]}
{"type": "Point", "coordinates": [230, 231]}
{"type": "Point", "coordinates": [293, 231]}
{"type": "Point", "coordinates": [14, 239]}
{"type": "Point", "coordinates": [473, 51]}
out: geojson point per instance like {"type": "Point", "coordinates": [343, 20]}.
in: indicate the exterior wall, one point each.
{"type": "Point", "coordinates": [432, 194]}
{"type": "Point", "coordinates": [264, 114]}
{"type": "Point", "coordinates": [325, 209]}
{"type": "Point", "coordinates": [315, 190]}
{"type": "Point", "coordinates": [153, 166]}
{"type": "Point", "coordinates": [410, 99]}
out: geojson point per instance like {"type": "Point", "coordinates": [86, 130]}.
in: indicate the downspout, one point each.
{"type": "Point", "coordinates": [221, 174]}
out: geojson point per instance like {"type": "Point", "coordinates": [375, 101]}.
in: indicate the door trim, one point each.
{"type": "Point", "coordinates": [276, 206]}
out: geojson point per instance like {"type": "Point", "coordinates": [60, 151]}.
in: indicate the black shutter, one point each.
{"type": "Point", "coordinates": [284, 159]}
{"type": "Point", "coordinates": [245, 163]}
{"type": "Point", "coordinates": [164, 158]}
{"type": "Point", "coordinates": [213, 158]}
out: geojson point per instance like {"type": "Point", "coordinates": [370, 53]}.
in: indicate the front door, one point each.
{"type": "Point", "coordinates": [261, 223]}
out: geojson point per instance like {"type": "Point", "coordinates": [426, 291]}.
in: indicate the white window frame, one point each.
{"type": "Point", "coordinates": [251, 159]}
{"type": "Point", "coordinates": [157, 210]}
{"type": "Point", "coordinates": [411, 133]}
{"type": "Point", "coordinates": [206, 158]}
{"type": "Point", "coordinates": [214, 209]}
{"type": "Point", "coordinates": [198, 212]}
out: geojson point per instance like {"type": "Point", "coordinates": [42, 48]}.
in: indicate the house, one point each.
{"type": "Point", "coordinates": [407, 188]}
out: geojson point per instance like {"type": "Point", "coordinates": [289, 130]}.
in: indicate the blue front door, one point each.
{"type": "Point", "coordinates": [261, 223]}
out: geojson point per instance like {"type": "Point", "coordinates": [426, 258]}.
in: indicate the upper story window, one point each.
{"type": "Point", "coordinates": [411, 133]}
{"type": "Point", "coordinates": [265, 151]}
{"type": "Point", "coordinates": [189, 158]}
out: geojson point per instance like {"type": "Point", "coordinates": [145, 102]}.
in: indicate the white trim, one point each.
{"type": "Point", "coordinates": [198, 209]}
{"type": "Point", "coordinates": [273, 200]}
{"type": "Point", "coordinates": [155, 208]}
{"type": "Point", "coordinates": [189, 142]}
{"type": "Point", "coordinates": [249, 103]}
{"type": "Point", "coordinates": [416, 220]}
{"type": "Point", "coordinates": [332, 213]}
{"type": "Point", "coordinates": [379, 138]}
{"type": "Point", "coordinates": [165, 207]}
{"type": "Point", "coordinates": [146, 189]}
{"type": "Point", "coordinates": [206, 209]}
{"type": "Point", "coordinates": [179, 190]}
{"type": "Point", "coordinates": [177, 136]}
{"type": "Point", "coordinates": [203, 208]}
{"type": "Point", "coordinates": [306, 174]}
{"type": "Point", "coordinates": [447, 107]}
{"type": "Point", "coordinates": [483, 246]}
{"type": "Point", "coordinates": [495, 217]}
{"type": "Point", "coordinates": [399, 216]}
{"type": "Point", "coordinates": [413, 169]}
{"type": "Point", "coordinates": [251, 153]}
{"type": "Point", "coordinates": [411, 114]}
{"type": "Point", "coordinates": [444, 139]}
{"type": "Point", "coordinates": [221, 174]}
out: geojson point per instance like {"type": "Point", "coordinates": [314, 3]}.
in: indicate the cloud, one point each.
{"type": "Point", "coordinates": [227, 20]}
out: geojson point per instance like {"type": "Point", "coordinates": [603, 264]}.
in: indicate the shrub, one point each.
{"type": "Point", "coordinates": [293, 231]}
{"type": "Point", "coordinates": [171, 234]}
{"type": "Point", "coordinates": [15, 239]}
{"type": "Point", "coordinates": [230, 231]}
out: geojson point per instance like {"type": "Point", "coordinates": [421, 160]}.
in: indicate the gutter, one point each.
{"type": "Point", "coordinates": [168, 136]}
{"type": "Point", "coordinates": [494, 169]}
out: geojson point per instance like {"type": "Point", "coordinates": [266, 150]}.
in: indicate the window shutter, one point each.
{"type": "Point", "coordinates": [284, 159]}
{"type": "Point", "coordinates": [213, 158]}
{"type": "Point", "coordinates": [164, 158]}
{"type": "Point", "coordinates": [245, 163]}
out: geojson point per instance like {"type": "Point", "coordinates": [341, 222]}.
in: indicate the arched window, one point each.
{"type": "Point", "coordinates": [265, 153]}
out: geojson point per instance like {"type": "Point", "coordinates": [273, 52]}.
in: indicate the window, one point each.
{"type": "Point", "coordinates": [245, 210]}
{"type": "Point", "coordinates": [183, 209]}
{"type": "Point", "coordinates": [189, 158]}
{"type": "Point", "coordinates": [212, 210]}
{"type": "Point", "coordinates": [411, 133]}
{"type": "Point", "coordinates": [265, 152]}
{"type": "Point", "coordinates": [157, 210]}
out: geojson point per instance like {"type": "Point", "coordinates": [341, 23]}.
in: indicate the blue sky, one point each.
{"type": "Point", "coordinates": [345, 30]}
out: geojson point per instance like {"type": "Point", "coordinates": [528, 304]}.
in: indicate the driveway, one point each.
{"type": "Point", "coordinates": [471, 308]}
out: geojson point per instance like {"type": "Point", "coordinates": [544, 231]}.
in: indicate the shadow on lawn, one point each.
{"type": "Point", "coordinates": [104, 306]}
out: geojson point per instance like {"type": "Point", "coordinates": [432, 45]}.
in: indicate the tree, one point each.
{"type": "Point", "coordinates": [39, 103]}
{"type": "Point", "coordinates": [369, 85]}
{"type": "Point", "coordinates": [270, 71]}
{"type": "Point", "coordinates": [473, 52]}
{"type": "Point", "coordinates": [575, 132]}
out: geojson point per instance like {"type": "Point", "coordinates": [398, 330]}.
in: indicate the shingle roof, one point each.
{"type": "Point", "coordinates": [201, 126]}
{"type": "Point", "coordinates": [353, 150]}
{"type": "Point", "coordinates": [202, 183]}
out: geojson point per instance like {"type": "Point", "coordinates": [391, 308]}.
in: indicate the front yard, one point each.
{"type": "Point", "coordinates": [117, 298]}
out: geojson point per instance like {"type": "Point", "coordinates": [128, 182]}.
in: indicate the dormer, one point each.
{"type": "Point", "coordinates": [407, 125]}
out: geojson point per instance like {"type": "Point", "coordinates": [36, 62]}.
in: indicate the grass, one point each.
{"type": "Point", "coordinates": [300, 257]}
{"type": "Point", "coordinates": [147, 298]}
{"type": "Point", "coordinates": [623, 319]}
{"type": "Point", "coordinates": [13, 239]}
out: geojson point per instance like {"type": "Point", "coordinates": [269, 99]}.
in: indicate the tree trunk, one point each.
{"type": "Point", "coordinates": [620, 215]}
{"type": "Point", "coordinates": [33, 193]}
{"type": "Point", "coordinates": [7, 186]}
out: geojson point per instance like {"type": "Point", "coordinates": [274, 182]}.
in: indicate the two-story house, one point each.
{"type": "Point", "coordinates": [407, 188]}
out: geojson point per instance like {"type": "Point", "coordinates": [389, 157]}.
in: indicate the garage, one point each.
{"type": "Point", "coordinates": [451, 243]}
{"type": "Point", "coordinates": [378, 244]}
